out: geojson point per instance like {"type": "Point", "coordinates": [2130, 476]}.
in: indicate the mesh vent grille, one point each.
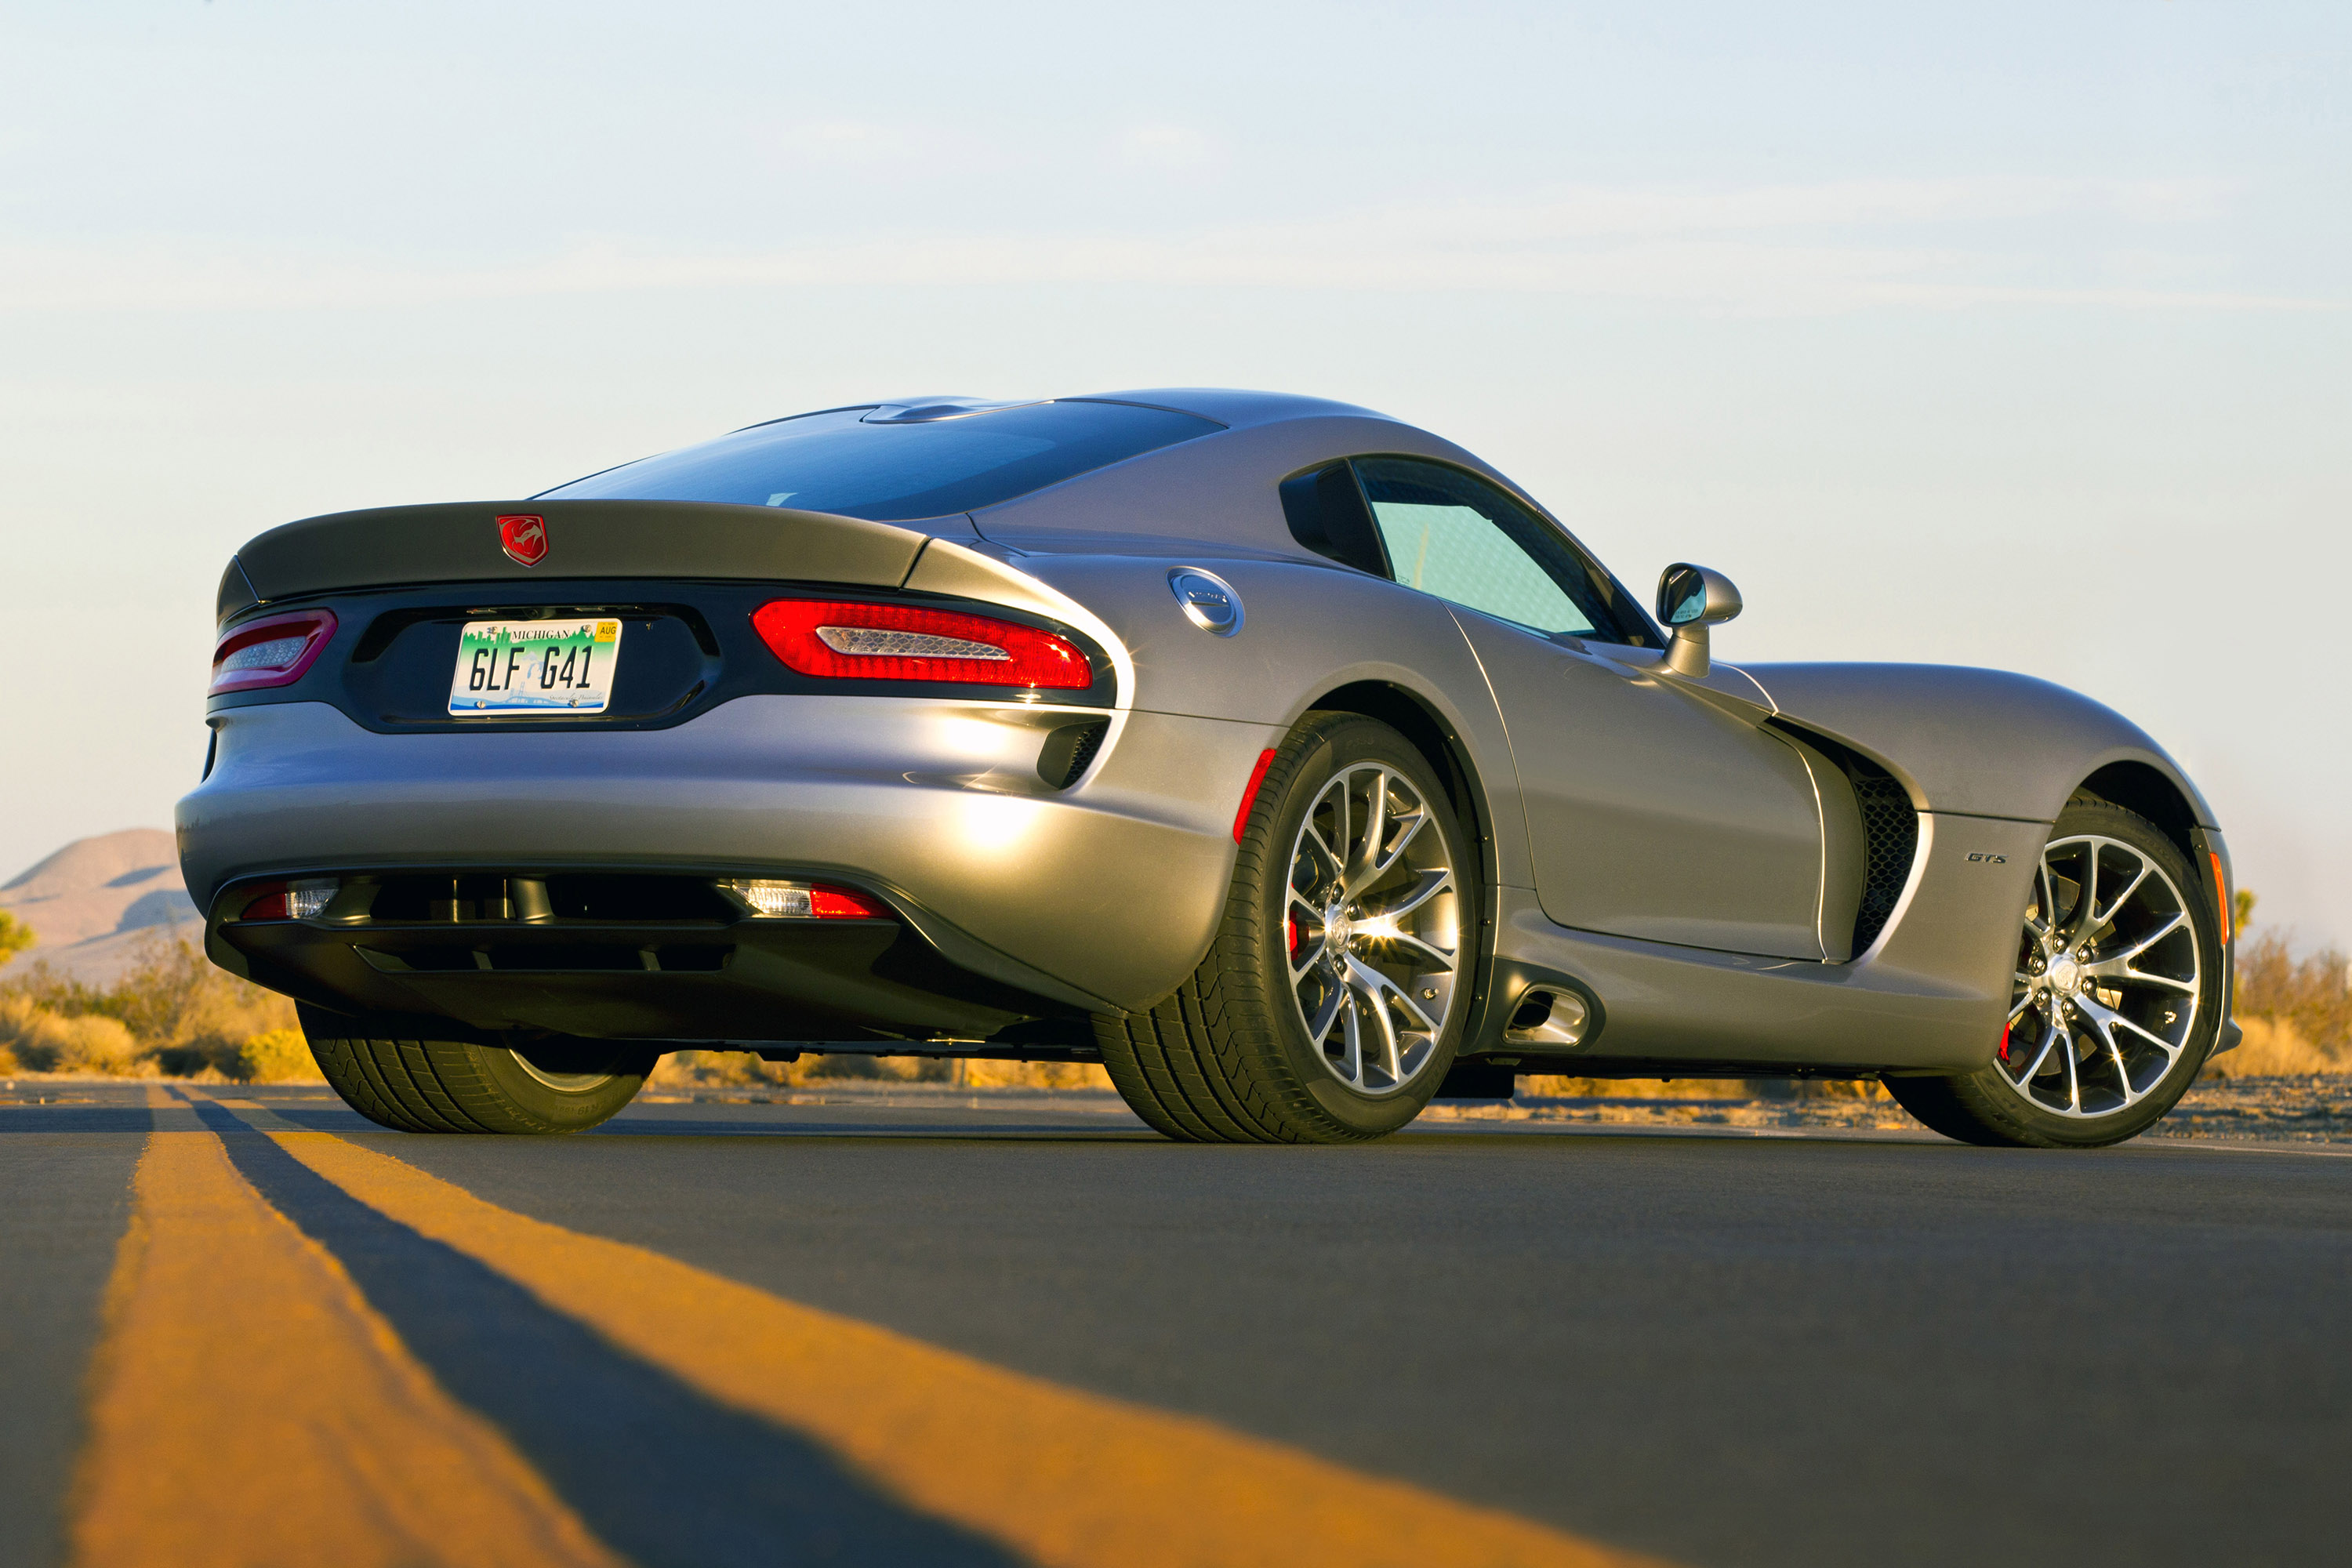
{"type": "Point", "coordinates": [1069, 751]}
{"type": "Point", "coordinates": [1088, 745]}
{"type": "Point", "coordinates": [1890, 839]}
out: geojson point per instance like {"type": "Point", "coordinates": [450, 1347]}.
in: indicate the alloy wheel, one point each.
{"type": "Point", "coordinates": [1373, 925]}
{"type": "Point", "coordinates": [2109, 975]}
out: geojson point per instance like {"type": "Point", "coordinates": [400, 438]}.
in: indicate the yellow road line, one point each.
{"type": "Point", "coordinates": [1064, 1477]}
{"type": "Point", "coordinates": [248, 1408]}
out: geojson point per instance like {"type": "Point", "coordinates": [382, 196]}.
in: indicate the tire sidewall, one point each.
{"type": "Point", "coordinates": [1989, 1087]}
{"type": "Point", "coordinates": [1329, 747]}
{"type": "Point", "coordinates": [562, 1109]}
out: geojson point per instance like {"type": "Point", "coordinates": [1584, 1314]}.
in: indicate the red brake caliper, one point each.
{"type": "Point", "coordinates": [2004, 1041]}
{"type": "Point", "coordinates": [1290, 933]}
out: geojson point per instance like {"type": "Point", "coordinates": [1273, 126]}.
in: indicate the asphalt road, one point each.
{"type": "Point", "coordinates": [1711, 1347]}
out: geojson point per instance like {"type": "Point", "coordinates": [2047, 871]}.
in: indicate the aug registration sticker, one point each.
{"type": "Point", "coordinates": [553, 669]}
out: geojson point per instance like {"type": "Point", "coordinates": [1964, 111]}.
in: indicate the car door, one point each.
{"type": "Point", "coordinates": [1654, 810]}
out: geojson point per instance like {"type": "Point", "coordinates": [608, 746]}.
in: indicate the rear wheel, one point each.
{"type": "Point", "coordinates": [1332, 1000]}
{"type": "Point", "coordinates": [2116, 1000]}
{"type": "Point", "coordinates": [415, 1085]}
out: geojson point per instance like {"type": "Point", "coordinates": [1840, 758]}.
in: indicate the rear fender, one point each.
{"type": "Point", "coordinates": [1307, 630]}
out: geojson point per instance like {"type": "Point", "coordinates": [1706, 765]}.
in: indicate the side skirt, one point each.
{"type": "Point", "coordinates": [1930, 995]}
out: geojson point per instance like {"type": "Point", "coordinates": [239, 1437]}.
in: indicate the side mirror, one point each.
{"type": "Point", "coordinates": [1691, 599]}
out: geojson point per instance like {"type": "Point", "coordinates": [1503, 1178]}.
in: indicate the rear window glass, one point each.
{"type": "Point", "coordinates": [838, 462]}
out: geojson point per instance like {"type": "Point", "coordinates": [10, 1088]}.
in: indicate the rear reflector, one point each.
{"type": "Point", "coordinates": [276, 650]}
{"type": "Point", "coordinates": [288, 901]}
{"type": "Point", "coordinates": [773, 900]}
{"type": "Point", "coordinates": [838, 640]}
{"type": "Point", "coordinates": [1249, 793]}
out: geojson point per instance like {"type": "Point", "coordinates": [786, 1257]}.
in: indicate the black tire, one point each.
{"type": "Point", "coordinates": [1987, 1107]}
{"type": "Point", "coordinates": [412, 1085]}
{"type": "Point", "coordinates": [1227, 1059]}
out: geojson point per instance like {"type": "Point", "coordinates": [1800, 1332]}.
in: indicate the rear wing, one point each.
{"type": "Point", "coordinates": [468, 542]}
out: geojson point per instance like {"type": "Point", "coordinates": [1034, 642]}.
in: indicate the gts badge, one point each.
{"type": "Point", "coordinates": [1978, 857]}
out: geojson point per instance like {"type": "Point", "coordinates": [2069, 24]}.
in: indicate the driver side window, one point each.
{"type": "Point", "coordinates": [1452, 534]}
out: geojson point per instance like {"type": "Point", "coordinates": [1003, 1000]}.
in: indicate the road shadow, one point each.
{"type": "Point", "coordinates": [634, 1127]}
{"type": "Point", "coordinates": [660, 1472]}
{"type": "Point", "coordinates": [76, 1119]}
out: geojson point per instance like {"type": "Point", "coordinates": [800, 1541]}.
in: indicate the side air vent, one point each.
{"type": "Point", "coordinates": [1890, 836]}
{"type": "Point", "coordinates": [1069, 752]}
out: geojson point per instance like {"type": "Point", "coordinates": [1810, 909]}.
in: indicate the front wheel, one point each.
{"type": "Point", "coordinates": [1333, 998]}
{"type": "Point", "coordinates": [412, 1085]}
{"type": "Point", "coordinates": [2116, 998]}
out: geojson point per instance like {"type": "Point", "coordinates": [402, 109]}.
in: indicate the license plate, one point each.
{"type": "Point", "coordinates": [553, 669]}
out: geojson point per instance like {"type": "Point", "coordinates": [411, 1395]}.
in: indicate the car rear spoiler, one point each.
{"type": "Point", "coordinates": [464, 542]}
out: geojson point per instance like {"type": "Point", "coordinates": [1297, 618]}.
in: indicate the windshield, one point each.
{"type": "Point", "coordinates": [888, 472]}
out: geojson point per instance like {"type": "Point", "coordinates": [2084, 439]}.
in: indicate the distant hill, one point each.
{"type": "Point", "coordinates": [96, 902]}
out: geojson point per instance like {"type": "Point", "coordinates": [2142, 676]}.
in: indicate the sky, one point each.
{"type": "Point", "coordinates": [2013, 335]}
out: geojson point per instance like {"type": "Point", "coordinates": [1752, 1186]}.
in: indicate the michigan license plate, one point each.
{"type": "Point", "coordinates": [554, 668]}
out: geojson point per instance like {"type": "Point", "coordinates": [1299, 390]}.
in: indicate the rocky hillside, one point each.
{"type": "Point", "coordinates": [97, 901]}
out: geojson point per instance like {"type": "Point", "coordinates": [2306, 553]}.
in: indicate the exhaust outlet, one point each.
{"type": "Point", "coordinates": [1549, 1018]}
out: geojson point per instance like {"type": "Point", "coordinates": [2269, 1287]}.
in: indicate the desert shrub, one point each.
{"type": "Point", "coordinates": [692, 1069]}
{"type": "Point", "coordinates": [272, 1056]}
{"type": "Point", "coordinates": [9, 1065]}
{"type": "Point", "coordinates": [738, 1070]}
{"type": "Point", "coordinates": [2274, 1049]}
{"type": "Point", "coordinates": [1547, 1085]}
{"type": "Point", "coordinates": [2308, 994]}
{"type": "Point", "coordinates": [973, 1072]}
{"type": "Point", "coordinates": [46, 1041]}
{"type": "Point", "coordinates": [178, 1009]}
{"type": "Point", "coordinates": [15, 936]}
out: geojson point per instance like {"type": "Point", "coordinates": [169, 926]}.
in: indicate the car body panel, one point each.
{"type": "Point", "coordinates": [1372, 633]}
{"type": "Point", "coordinates": [936, 803]}
{"type": "Point", "coordinates": [1984, 743]}
{"type": "Point", "coordinates": [1931, 998]}
{"type": "Point", "coordinates": [1652, 813]}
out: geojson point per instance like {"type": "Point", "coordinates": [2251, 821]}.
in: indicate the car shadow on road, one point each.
{"type": "Point", "coordinates": [661, 1472]}
{"type": "Point", "coordinates": [76, 1119]}
{"type": "Point", "coordinates": [335, 1120]}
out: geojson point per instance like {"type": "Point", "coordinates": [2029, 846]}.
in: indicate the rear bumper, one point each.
{"type": "Point", "coordinates": [751, 982]}
{"type": "Point", "coordinates": [1101, 895]}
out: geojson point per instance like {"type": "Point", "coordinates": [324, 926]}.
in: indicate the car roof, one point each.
{"type": "Point", "coordinates": [1219, 489]}
{"type": "Point", "coordinates": [1237, 408]}
{"type": "Point", "coordinates": [1232, 407]}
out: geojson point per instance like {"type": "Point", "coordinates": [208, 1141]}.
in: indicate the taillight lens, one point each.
{"type": "Point", "coordinates": [275, 650]}
{"type": "Point", "coordinates": [296, 900]}
{"type": "Point", "coordinates": [906, 642]}
{"type": "Point", "coordinates": [774, 898]}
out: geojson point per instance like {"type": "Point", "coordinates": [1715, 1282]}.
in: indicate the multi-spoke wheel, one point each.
{"type": "Point", "coordinates": [1373, 928]}
{"type": "Point", "coordinates": [2106, 980]}
{"type": "Point", "coordinates": [2115, 1003]}
{"type": "Point", "coordinates": [1329, 1005]}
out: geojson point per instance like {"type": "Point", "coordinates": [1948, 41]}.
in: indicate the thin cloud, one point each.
{"type": "Point", "coordinates": [1847, 246]}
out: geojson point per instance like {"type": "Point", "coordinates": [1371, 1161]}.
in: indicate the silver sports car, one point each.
{"type": "Point", "coordinates": [1285, 759]}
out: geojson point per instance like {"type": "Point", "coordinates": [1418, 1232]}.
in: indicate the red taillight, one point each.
{"type": "Point", "coordinates": [275, 650]}
{"type": "Point", "coordinates": [773, 898]}
{"type": "Point", "coordinates": [905, 642]}
{"type": "Point", "coordinates": [296, 900]}
{"type": "Point", "coordinates": [831, 903]}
